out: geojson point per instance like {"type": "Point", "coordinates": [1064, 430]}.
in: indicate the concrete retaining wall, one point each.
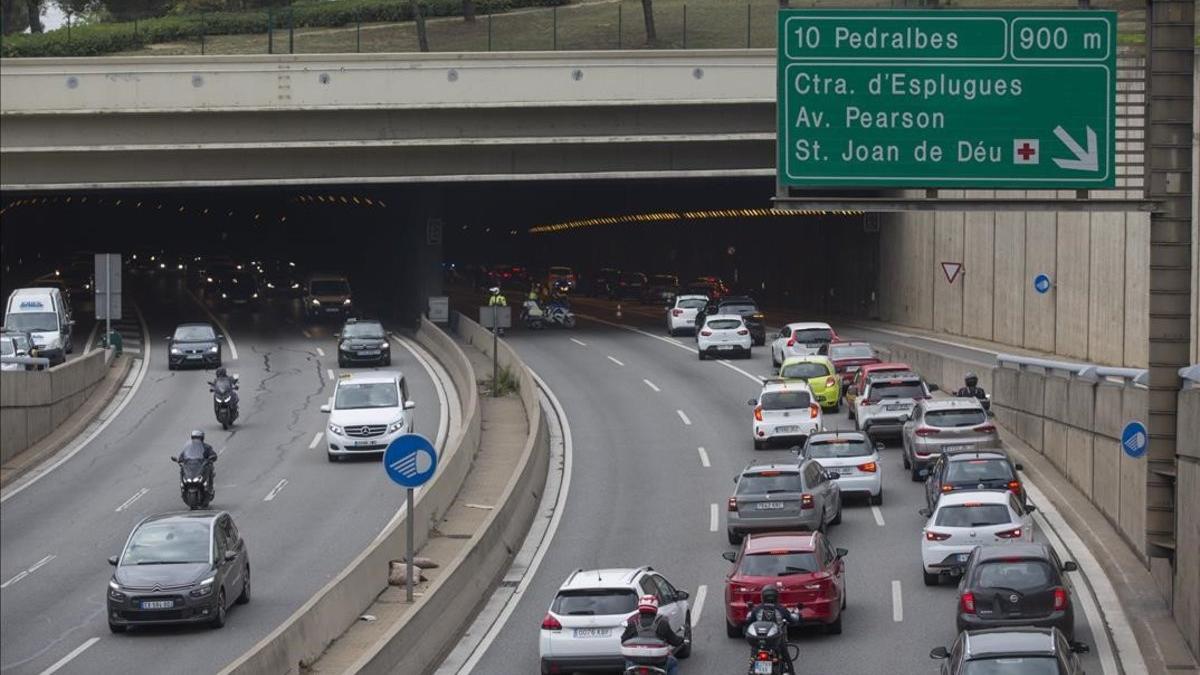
{"type": "Point", "coordinates": [34, 403]}
{"type": "Point", "coordinates": [1186, 605]}
{"type": "Point", "coordinates": [308, 631]}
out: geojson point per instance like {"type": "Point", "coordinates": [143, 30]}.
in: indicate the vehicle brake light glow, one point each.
{"type": "Point", "coordinates": [930, 535]}
{"type": "Point", "coordinates": [967, 602]}
{"type": "Point", "coordinates": [947, 488]}
{"type": "Point", "coordinates": [551, 623]}
{"type": "Point", "coordinates": [767, 473]}
{"type": "Point", "coordinates": [1014, 533]}
{"type": "Point", "coordinates": [791, 342]}
{"type": "Point", "coordinates": [706, 332]}
{"type": "Point", "coordinates": [806, 501]}
{"type": "Point", "coordinates": [1060, 599]}
{"type": "Point", "coordinates": [758, 413]}
{"type": "Point", "coordinates": [677, 312]}
{"type": "Point", "coordinates": [927, 431]}
{"type": "Point", "coordinates": [1014, 486]}
{"type": "Point", "coordinates": [869, 467]}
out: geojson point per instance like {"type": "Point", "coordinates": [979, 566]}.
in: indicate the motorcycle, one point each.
{"type": "Point", "coordinates": [645, 656]}
{"type": "Point", "coordinates": [193, 487]}
{"type": "Point", "coordinates": [765, 638]}
{"type": "Point", "coordinates": [554, 314]}
{"type": "Point", "coordinates": [225, 405]}
{"type": "Point", "coordinates": [532, 315]}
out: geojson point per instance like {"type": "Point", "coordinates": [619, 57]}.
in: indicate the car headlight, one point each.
{"type": "Point", "coordinates": [384, 345]}
{"type": "Point", "coordinates": [205, 589]}
{"type": "Point", "coordinates": [254, 295]}
{"type": "Point", "coordinates": [316, 302]}
{"type": "Point", "coordinates": [114, 592]}
{"type": "Point", "coordinates": [336, 429]}
{"type": "Point", "coordinates": [209, 279]}
{"type": "Point", "coordinates": [176, 350]}
{"type": "Point", "coordinates": [396, 426]}
{"type": "Point", "coordinates": [295, 286]}
{"type": "Point", "coordinates": [223, 295]}
{"type": "Point", "coordinates": [213, 349]}
{"type": "Point", "coordinates": [346, 301]}
{"type": "Point", "coordinates": [270, 285]}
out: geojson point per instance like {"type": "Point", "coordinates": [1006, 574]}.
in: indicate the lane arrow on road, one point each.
{"type": "Point", "coordinates": [1085, 160]}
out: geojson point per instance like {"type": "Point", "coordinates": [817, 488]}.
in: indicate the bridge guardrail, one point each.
{"type": "Point", "coordinates": [1088, 371]}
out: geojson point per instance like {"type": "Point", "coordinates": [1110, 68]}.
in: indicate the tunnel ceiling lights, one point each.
{"type": "Point", "coordinates": [684, 215]}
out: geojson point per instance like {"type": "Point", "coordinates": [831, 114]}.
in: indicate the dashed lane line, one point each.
{"type": "Point", "coordinates": [316, 439]}
{"type": "Point", "coordinates": [698, 603]}
{"type": "Point", "coordinates": [878, 515]}
{"type": "Point", "coordinates": [683, 416]}
{"type": "Point", "coordinates": [581, 343]}
{"type": "Point", "coordinates": [614, 360]}
{"type": "Point", "coordinates": [713, 518]}
{"type": "Point", "coordinates": [320, 352]}
{"type": "Point", "coordinates": [756, 378]}
{"type": "Point", "coordinates": [897, 602]}
{"type": "Point", "coordinates": [329, 372]}
{"type": "Point", "coordinates": [24, 573]}
{"type": "Point", "coordinates": [67, 659]}
{"type": "Point", "coordinates": [704, 457]}
{"type": "Point", "coordinates": [651, 385]}
{"type": "Point", "coordinates": [275, 490]}
{"type": "Point", "coordinates": [129, 502]}
{"type": "Point", "coordinates": [306, 333]}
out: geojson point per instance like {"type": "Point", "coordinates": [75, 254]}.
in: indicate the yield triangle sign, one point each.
{"type": "Point", "coordinates": [951, 270]}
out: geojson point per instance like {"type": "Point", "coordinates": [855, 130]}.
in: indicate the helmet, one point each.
{"type": "Point", "coordinates": [197, 434]}
{"type": "Point", "coordinates": [647, 604]}
{"type": "Point", "coordinates": [494, 289]}
{"type": "Point", "coordinates": [770, 595]}
{"type": "Point", "coordinates": [972, 379]}
{"type": "Point", "coordinates": [221, 372]}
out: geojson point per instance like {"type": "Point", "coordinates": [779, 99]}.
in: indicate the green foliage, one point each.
{"type": "Point", "coordinates": [107, 37]}
{"type": "Point", "coordinates": [507, 383]}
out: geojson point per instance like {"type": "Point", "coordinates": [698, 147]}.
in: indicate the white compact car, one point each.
{"type": "Point", "coordinates": [784, 411]}
{"type": "Point", "coordinates": [800, 339]}
{"type": "Point", "coordinates": [964, 520]}
{"type": "Point", "coordinates": [367, 412]}
{"type": "Point", "coordinates": [582, 629]}
{"type": "Point", "coordinates": [681, 316]}
{"type": "Point", "coordinates": [723, 335]}
{"type": "Point", "coordinates": [851, 456]}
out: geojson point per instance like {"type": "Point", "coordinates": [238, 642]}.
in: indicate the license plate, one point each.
{"type": "Point", "coordinates": [763, 667]}
{"type": "Point", "coordinates": [724, 346]}
{"type": "Point", "coordinates": [195, 357]}
{"type": "Point", "coordinates": [768, 506]}
{"type": "Point", "coordinates": [952, 448]}
{"type": "Point", "coordinates": [895, 407]}
{"type": "Point", "coordinates": [356, 444]}
{"type": "Point", "coordinates": [158, 604]}
{"type": "Point", "coordinates": [787, 430]}
{"type": "Point", "coordinates": [369, 352]}
{"type": "Point", "coordinates": [591, 632]}
{"type": "Point", "coordinates": [332, 310]}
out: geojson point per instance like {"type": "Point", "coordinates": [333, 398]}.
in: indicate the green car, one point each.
{"type": "Point", "coordinates": [821, 376]}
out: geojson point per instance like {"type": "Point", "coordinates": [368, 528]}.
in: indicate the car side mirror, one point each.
{"type": "Point", "coordinates": [939, 653]}
{"type": "Point", "coordinates": [174, 459]}
{"type": "Point", "coordinates": [221, 338]}
{"type": "Point", "coordinates": [1070, 566]}
{"type": "Point", "coordinates": [1030, 508]}
{"type": "Point", "coordinates": [409, 405]}
{"type": "Point", "coordinates": [682, 595]}
{"type": "Point", "coordinates": [112, 560]}
{"type": "Point", "coordinates": [934, 387]}
{"type": "Point", "coordinates": [880, 446]}
{"type": "Point", "coordinates": [752, 401]}
{"type": "Point", "coordinates": [1080, 648]}
{"type": "Point", "coordinates": [1018, 466]}
{"type": "Point", "coordinates": [841, 553]}
{"type": "Point", "coordinates": [729, 555]}
{"type": "Point", "coordinates": [325, 408]}
{"type": "Point", "coordinates": [230, 556]}
{"type": "Point", "coordinates": [924, 512]}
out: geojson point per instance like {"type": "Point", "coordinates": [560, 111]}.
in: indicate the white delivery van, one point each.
{"type": "Point", "coordinates": [43, 313]}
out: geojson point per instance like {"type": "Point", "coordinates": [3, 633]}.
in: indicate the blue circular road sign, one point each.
{"type": "Point", "coordinates": [1041, 283]}
{"type": "Point", "coordinates": [410, 460]}
{"type": "Point", "coordinates": [1134, 439]}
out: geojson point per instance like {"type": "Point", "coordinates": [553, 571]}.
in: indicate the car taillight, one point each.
{"type": "Point", "coordinates": [1014, 486]}
{"type": "Point", "coordinates": [791, 342]}
{"type": "Point", "coordinates": [677, 312]}
{"type": "Point", "coordinates": [551, 623]}
{"type": "Point", "coordinates": [967, 602]}
{"type": "Point", "coordinates": [758, 413]}
{"type": "Point", "coordinates": [870, 401]}
{"type": "Point", "coordinates": [1060, 599]}
{"type": "Point", "coordinates": [1014, 533]}
{"type": "Point", "coordinates": [930, 535]}
{"type": "Point", "coordinates": [927, 431]}
{"type": "Point", "coordinates": [732, 506]}
{"type": "Point", "coordinates": [706, 333]}
{"type": "Point", "coordinates": [806, 501]}
{"type": "Point", "coordinates": [869, 467]}
{"type": "Point", "coordinates": [743, 331]}
{"type": "Point", "coordinates": [762, 656]}
{"type": "Point", "coordinates": [947, 488]}
{"type": "Point", "coordinates": [813, 410]}
{"type": "Point", "coordinates": [986, 429]}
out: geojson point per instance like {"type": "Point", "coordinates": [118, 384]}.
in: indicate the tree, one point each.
{"type": "Point", "coordinates": [73, 8]}
{"type": "Point", "coordinates": [128, 10]}
{"type": "Point", "coordinates": [469, 11]}
{"type": "Point", "coordinates": [648, 13]}
{"type": "Point", "coordinates": [13, 16]}
{"type": "Point", "coordinates": [414, 7]}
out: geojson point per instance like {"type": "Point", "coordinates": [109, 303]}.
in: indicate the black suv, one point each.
{"type": "Point", "coordinates": [1010, 585]}
{"type": "Point", "coordinates": [1017, 650]}
{"type": "Point", "coordinates": [971, 470]}
{"type": "Point", "coordinates": [363, 341]}
{"type": "Point", "coordinates": [746, 308]}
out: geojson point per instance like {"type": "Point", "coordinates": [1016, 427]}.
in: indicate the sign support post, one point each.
{"type": "Point", "coordinates": [108, 300]}
{"type": "Point", "coordinates": [410, 461]}
{"type": "Point", "coordinates": [408, 546]}
{"type": "Point", "coordinates": [495, 351]}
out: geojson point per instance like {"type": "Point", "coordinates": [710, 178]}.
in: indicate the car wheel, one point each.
{"type": "Point", "coordinates": [837, 519]}
{"type": "Point", "coordinates": [171, 366]}
{"type": "Point", "coordinates": [732, 630]}
{"type": "Point", "coordinates": [877, 500]}
{"type": "Point", "coordinates": [244, 598]}
{"type": "Point", "coordinates": [116, 628]}
{"type": "Point", "coordinates": [760, 445]}
{"type": "Point", "coordinates": [749, 353]}
{"type": "Point", "coordinates": [387, 362]}
{"type": "Point", "coordinates": [916, 475]}
{"type": "Point", "coordinates": [822, 526]}
{"type": "Point", "coordinates": [835, 628]}
{"type": "Point", "coordinates": [930, 579]}
{"type": "Point", "coordinates": [904, 459]}
{"type": "Point", "coordinates": [734, 537]}
{"type": "Point", "coordinates": [686, 650]}
{"type": "Point", "coordinates": [218, 620]}
{"type": "Point", "coordinates": [341, 363]}
{"type": "Point", "coordinates": [701, 355]}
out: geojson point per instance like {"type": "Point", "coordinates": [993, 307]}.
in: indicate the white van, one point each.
{"type": "Point", "coordinates": [43, 313]}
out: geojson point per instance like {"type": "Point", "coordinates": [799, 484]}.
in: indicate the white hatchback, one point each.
{"type": "Point", "coordinates": [964, 520]}
{"type": "Point", "coordinates": [582, 630]}
{"type": "Point", "coordinates": [367, 412]}
{"type": "Point", "coordinates": [723, 335]}
{"type": "Point", "coordinates": [784, 411]}
{"type": "Point", "coordinates": [851, 456]}
{"type": "Point", "coordinates": [800, 339]}
{"type": "Point", "coordinates": [681, 316]}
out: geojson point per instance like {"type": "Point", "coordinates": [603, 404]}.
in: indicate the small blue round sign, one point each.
{"type": "Point", "coordinates": [1041, 283]}
{"type": "Point", "coordinates": [1134, 439]}
{"type": "Point", "coordinates": [410, 460]}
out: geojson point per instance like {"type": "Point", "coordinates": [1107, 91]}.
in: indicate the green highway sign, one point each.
{"type": "Point", "coordinates": [947, 98]}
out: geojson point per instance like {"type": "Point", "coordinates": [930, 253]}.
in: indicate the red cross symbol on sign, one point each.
{"type": "Point", "coordinates": [1026, 151]}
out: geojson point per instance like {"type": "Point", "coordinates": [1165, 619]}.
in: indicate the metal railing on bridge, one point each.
{"type": "Point", "coordinates": [1087, 371]}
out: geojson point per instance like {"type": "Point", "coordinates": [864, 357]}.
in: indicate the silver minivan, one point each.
{"type": "Point", "coordinates": [44, 314]}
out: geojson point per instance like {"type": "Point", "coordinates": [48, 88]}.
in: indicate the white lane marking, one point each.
{"type": "Point", "coordinates": [684, 417]}
{"type": "Point", "coordinates": [306, 333]}
{"type": "Point", "coordinates": [316, 439]}
{"type": "Point", "coordinates": [320, 352]}
{"type": "Point", "coordinates": [878, 515]}
{"type": "Point", "coordinates": [712, 517]}
{"type": "Point", "coordinates": [897, 602]}
{"type": "Point", "coordinates": [220, 324]}
{"type": "Point", "coordinates": [704, 458]}
{"type": "Point", "coordinates": [615, 361]}
{"type": "Point", "coordinates": [651, 385]}
{"type": "Point", "coordinates": [27, 572]}
{"type": "Point", "coordinates": [136, 496]}
{"type": "Point", "coordinates": [581, 343]}
{"type": "Point", "coordinates": [143, 366]}
{"type": "Point", "coordinates": [756, 378]}
{"type": "Point", "coordinates": [329, 372]}
{"type": "Point", "coordinates": [698, 603]}
{"type": "Point", "coordinates": [275, 490]}
{"type": "Point", "coordinates": [67, 659]}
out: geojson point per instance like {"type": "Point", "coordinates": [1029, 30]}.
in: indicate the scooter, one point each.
{"type": "Point", "coordinates": [193, 489]}
{"type": "Point", "coordinates": [225, 405]}
{"type": "Point", "coordinates": [559, 314]}
{"type": "Point", "coordinates": [645, 656]}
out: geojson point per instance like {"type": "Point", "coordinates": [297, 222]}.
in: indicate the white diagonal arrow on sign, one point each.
{"type": "Point", "coordinates": [1085, 160]}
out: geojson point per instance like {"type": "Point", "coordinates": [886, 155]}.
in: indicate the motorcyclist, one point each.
{"type": "Point", "coordinates": [223, 381]}
{"type": "Point", "coordinates": [197, 449]}
{"type": "Point", "coordinates": [497, 299]}
{"type": "Point", "coordinates": [770, 610]}
{"type": "Point", "coordinates": [648, 624]}
{"type": "Point", "coordinates": [973, 390]}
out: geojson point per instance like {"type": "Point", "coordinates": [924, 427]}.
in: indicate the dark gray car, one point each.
{"type": "Point", "coordinates": [783, 497]}
{"type": "Point", "coordinates": [1036, 651]}
{"type": "Point", "coordinates": [194, 344]}
{"type": "Point", "coordinates": [1011, 585]}
{"type": "Point", "coordinates": [179, 568]}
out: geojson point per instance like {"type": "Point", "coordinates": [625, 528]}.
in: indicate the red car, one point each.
{"type": "Point", "coordinates": [848, 357]}
{"type": "Point", "coordinates": [806, 569]}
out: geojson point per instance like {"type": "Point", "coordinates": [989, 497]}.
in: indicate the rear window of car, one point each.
{"type": "Point", "coordinates": [974, 470]}
{"type": "Point", "coordinates": [839, 448]}
{"type": "Point", "coordinates": [896, 390]}
{"type": "Point", "coordinates": [805, 370]}
{"type": "Point", "coordinates": [851, 352]}
{"type": "Point", "coordinates": [1013, 665]}
{"type": "Point", "coordinates": [955, 418]}
{"type": "Point", "coordinates": [785, 400]}
{"type": "Point", "coordinates": [778, 564]}
{"type": "Point", "coordinates": [595, 602]}
{"type": "Point", "coordinates": [1020, 575]}
{"type": "Point", "coordinates": [692, 303]}
{"type": "Point", "coordinates": [972, 515]}
{"type": "Point", "coordinates": [760, 483]}
{"type": "Point", "coordinates": [812, 336]}
{"type": "Point", "coordinates": [739, 308]}
{"type": "Point", "coordinates": [724, 324]}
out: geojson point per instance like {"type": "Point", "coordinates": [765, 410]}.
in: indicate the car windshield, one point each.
{"type": "Point", "coordinates": [724, 324]}
{"type": "Point", "coordinates": [595, 602]}
{"type": "Point", "coordinates": [784, 400]}
{"type": "Point", "coordinates": [812, 336]}
{"type": "Point", "coordinates": [1019, 575]}
{"type": "Point", "coordinates": [355, 395]}
{"type": "Point", "coordinates": [806, 369]}
{"type": "Point", "coordinates": [692, 303]}
{"type": "Point", "coordinates": [775, 564]}
{"type": "Point", "coordinates": [842, 447]}
{"type": "Point", "coordinates": [363, 329]}
{"type": "Point", "coordinates": [769, 481]}
{"type": "Point", "coordinates": [561, 271]}
{"type": "Point", "coordinates": [911, 389]}
{"type": "Point", "coordinates": [955, 418]}
{"type": "Point", "coordinates": [972, 515]}
{"type": "Point", "coordinates": [167, 543]}
{"type": "Point", "coordinates": [7, 348]}
{"type": "Point", "coordinates": [738, 308]}
{"type": "Point", "coordinates": [977, 470]}
{"type": "Point", "coordinates": [330, 287]}
{"type": "Point", "coordinates": [32, 321]}
{"type": "Point", "coordinates": [194, 333]}
{"type": "Point", "coordinates": [851, 352]}
{"type": "Point", "coordinates": [1013, 665]}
